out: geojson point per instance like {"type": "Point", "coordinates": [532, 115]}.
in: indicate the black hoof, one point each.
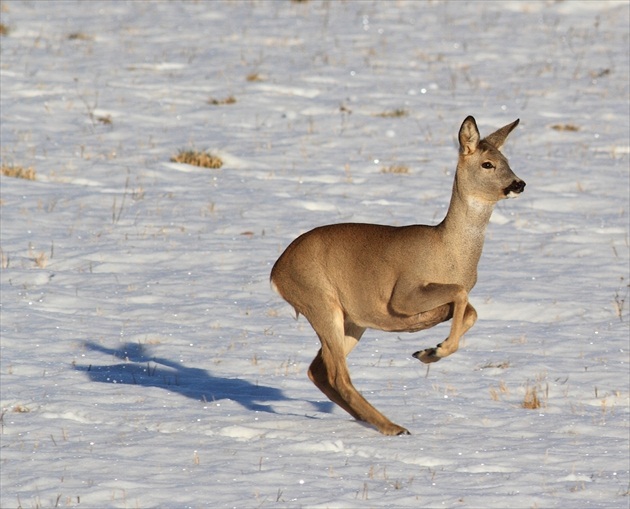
{"type": "Point", "coordinates": [427, 356]}
{"type": "Point", "coordinates": [429, 352]}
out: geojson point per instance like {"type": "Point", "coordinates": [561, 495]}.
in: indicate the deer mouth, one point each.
{"type": "Point", "coordinates": [514, 189]}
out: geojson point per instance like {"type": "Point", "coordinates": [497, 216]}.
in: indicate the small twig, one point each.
{"type": "Point", "coordinates": [90, 108]}
{"type": "Point", "coordinates": [116, 216]}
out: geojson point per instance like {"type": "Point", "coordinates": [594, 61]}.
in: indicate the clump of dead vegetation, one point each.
{"type": "Point", "coordinates": [104, 119]}
{"type": "Point", "coordinates": [397, 113]}
{"type": "Point", "coordinates": [4, 30]}
{"type": "Point", "coordinates": [531, 400]}
{"type": "Point", "coordinates": [218, 102]}
{"type": "Point", "coordinates": [79, 36]}
{"type": "Point", "coordinates": [17, 171]}
{"type": "Point", "coordinates": [254, 76]}
{"type": "Point", "coordinates": [536, 396]}
{"type": "Point", "coordinates": [399, 169]}
{"type": "Point", "coordinates": [197, 158]}
{"type": "Point", "coordinates": [565, 127]}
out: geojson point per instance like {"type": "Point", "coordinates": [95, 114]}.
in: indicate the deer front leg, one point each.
{"type": "Point", "coordinates": [429, 296]}
{"type": "Point", "coordinates": [448, 346]}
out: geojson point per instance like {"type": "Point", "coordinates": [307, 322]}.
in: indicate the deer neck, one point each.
{"type": "Point", "coordinates": [464, 227]}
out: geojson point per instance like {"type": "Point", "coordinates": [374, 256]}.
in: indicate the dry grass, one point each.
{"type": "Point", "coordinates": [498, 364]}
{"type": "Point", "coordinates": [600, 74]}
{"type": "Point", "coordinates": [397, 113]}
{"type": "Point", "coordinates": [620, 300]}
{"type": "Point", "coordinates": [218, 102]}
{"type": "Point", "coordinates": [196, 158]}
{"type": "Point", "coordinates": [399, 169]}
{"type": "Point", "coordinates": [4, 30]}
{"type": "Point", "coordinates": [41, 260]}
{"type": "Point", "coordinates": [254, 76]}
{"type": "Point", "coordinates": [502, 390]}
{"type": "Point", "coordinates": [565, 127]}
{"type": "Point", "coordinates": [79, 36]}
{"type": "Point", "coordinates": [105, 119]}
{"type": "Point", "coordinates": [18, 172]}
{"type": "Point", "coordinates": [536, 396]}
{"type": "Point", "coordinates": [531, 399]}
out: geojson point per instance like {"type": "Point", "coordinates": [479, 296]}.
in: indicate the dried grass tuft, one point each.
{"type": "Point", "coordinates": [397, 113]}
{"type": "Point", "coordinates": [196, 158]}
{"type": "Point", "coordinates": [565, 127]}
{"type": "Point", "coordinates": [254, 76]}
{"type": "Point", "coordinates": [80, 36]}
{"type": "Point", "coordinates": [18, 172]}
{"type": "Point", "coordinates": [399, 169]}
{"type": "Point", "coordinates": [531, 399]}
{"type": "Point", "coordinates": [219, 102]}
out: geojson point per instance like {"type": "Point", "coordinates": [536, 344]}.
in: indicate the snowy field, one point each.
{"type": "Point", "coordinates": [145, 361]}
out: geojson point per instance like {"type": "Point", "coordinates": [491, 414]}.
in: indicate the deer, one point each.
{"type": "Point", "coordinates": [345, 278]}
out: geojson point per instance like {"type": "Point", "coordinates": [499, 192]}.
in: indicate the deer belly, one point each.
{"type": "Point", "coordinates": [414, 323]}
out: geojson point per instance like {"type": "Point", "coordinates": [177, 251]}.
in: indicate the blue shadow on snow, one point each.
{"type": "Point", "coordinates": [141, 368]}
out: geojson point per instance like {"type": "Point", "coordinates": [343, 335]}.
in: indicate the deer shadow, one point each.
{"type": "Point", "coordinates": [141, 368]}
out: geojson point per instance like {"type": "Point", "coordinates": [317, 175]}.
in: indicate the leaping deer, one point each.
{"type": "Point", "coordinates": [345, 278]}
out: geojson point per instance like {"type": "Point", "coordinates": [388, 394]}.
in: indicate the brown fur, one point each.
{"type": "Point", "coordinates": [345, 278]}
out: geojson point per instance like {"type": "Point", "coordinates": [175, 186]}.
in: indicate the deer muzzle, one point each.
{"type": "Point", "coordinates": [515, 188]}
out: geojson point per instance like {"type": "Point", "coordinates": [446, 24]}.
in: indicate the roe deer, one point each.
{"type": "Point", "coordinates": [347, 277]}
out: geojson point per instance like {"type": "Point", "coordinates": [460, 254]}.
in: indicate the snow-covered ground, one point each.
{"type": "Point", "coordinates": [145, 361]}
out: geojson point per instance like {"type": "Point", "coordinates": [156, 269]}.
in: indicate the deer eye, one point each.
{"type": "Point", "coordinates": [487, 165]}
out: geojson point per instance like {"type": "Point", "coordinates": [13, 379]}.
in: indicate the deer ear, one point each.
{"type": "Point", "coordinates": [468, 136]}
{"type": "Point", "coordinates": [497, 138]}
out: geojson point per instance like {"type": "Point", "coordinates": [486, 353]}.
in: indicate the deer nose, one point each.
{"type": "Point", "coordinates": [515, 187]}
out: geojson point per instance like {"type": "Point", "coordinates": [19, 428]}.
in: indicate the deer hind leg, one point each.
{"type": "Point", "coordinates": [451, 343]}
{"type": "Point", "coordinates": [329, 371]}
{"type": "Point", "coordinates": [319, 374]}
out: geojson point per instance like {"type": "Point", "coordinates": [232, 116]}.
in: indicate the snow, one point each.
{"type": "Point", "coordinates": [145, 362]}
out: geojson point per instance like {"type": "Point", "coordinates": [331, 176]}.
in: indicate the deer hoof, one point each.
{"type": "Point", "coordinates": [392, 430]}
{"type": "Point", "coordinates": [427, 356]}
